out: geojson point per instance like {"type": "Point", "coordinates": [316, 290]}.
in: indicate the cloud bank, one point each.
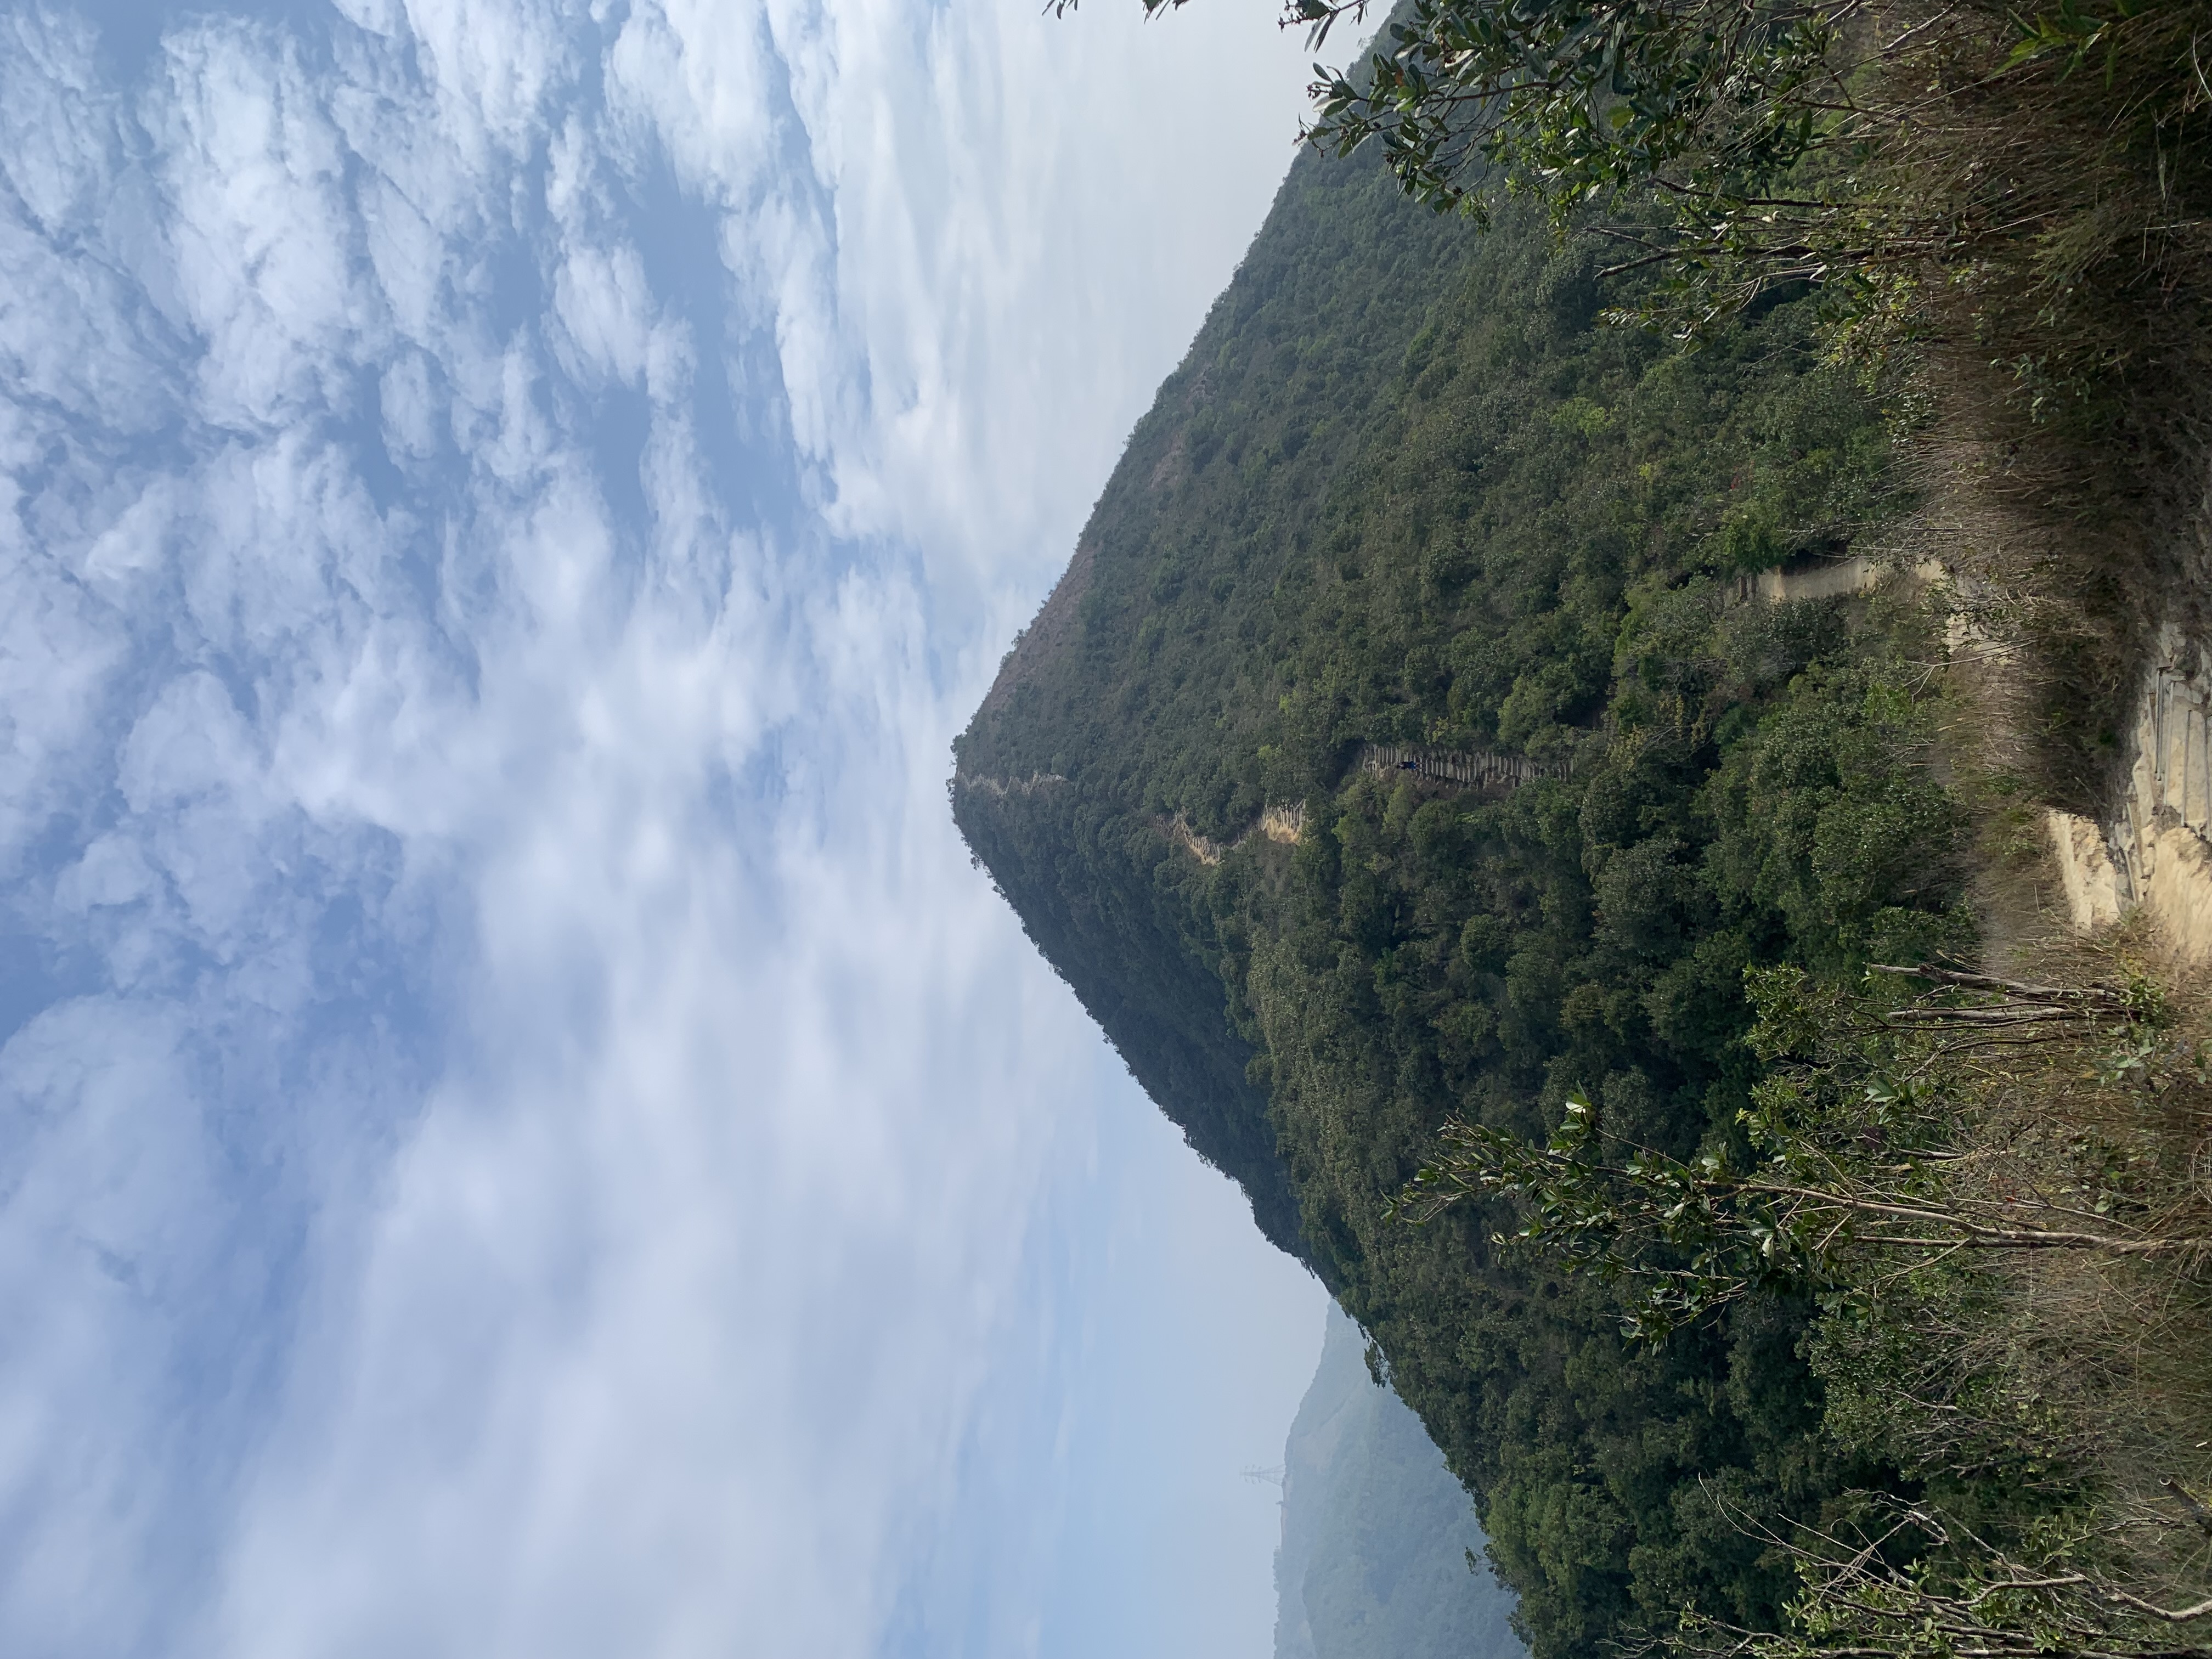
{"type": "Point", "coordinates": [519, 1131]}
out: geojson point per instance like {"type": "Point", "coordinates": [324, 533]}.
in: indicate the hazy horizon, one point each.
{"type": "Point", "coordinates": [524, 1132]}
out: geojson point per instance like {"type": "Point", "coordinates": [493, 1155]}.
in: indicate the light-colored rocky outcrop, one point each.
{"type": "Point", "coordinates": [1178, 830]}
{"type": "Point", "coordinates": [2093, 895]}
{"type": "Point", "coordinates": [2156, 849]}
{"type": "Point", "coordinates": [1277, 823]}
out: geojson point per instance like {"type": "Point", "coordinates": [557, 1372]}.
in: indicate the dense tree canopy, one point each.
{"type": "Point", "coordinates": [1406, 492]}
{"type": "Point", "coordinates": [1405, 489]}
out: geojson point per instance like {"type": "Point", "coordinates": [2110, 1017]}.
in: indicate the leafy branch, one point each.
{"type": "Point", "coordinates": [1909, 1582]}
{"type": "Point", "coordinates": [1856, 1171]}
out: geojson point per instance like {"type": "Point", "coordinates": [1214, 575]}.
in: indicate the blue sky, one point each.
{"type": "Point", "coordinates": [521, 1132]}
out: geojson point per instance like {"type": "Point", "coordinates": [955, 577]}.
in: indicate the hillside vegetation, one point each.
{"type": "Point", "coordinates": [1405, 488]}
{"type": "Point", "coordinates": [1797, 1245]}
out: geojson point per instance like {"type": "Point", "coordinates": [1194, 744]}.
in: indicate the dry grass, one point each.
{"type": "Point", "coordinates": [2024, 247]}
{"type": "Point", "coordinates": [2117, 1350]}
{"type": "Point", "coordinates": [2064, 341]}
{"type": "Point", "coordinates": [2051, 1409]}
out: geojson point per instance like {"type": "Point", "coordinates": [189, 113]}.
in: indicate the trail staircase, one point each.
{"type": "Point", "coordinates": [1466, 768]}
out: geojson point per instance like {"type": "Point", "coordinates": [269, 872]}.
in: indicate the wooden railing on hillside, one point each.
{"type": "Point", "coordinates": [1003, 787]}
{"type": "Point", "coordinates": [1468, 769]}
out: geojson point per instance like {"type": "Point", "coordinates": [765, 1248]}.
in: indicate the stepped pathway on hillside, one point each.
{"type": "Point", "coordinates": [1461, 769]}
{"type": "Point", "coordinates": [1468, 769]}
{"type": "Point", "coordinates": [1003, 787]}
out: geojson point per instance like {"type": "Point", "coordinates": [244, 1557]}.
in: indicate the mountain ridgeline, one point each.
{"type": "Point", "coordinates": [1405, 741]}
{"type": "Point", "coordinates": [1377, 1557]}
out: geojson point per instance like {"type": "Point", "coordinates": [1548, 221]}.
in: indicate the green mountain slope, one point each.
{"type": "Point", "coordinates": [1377, 1535]}
{"type": "Point", "coordinates": [1406, 491]}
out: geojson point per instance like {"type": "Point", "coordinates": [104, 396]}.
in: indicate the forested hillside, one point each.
{"type": "Point", "coordinates": [1406, 488]}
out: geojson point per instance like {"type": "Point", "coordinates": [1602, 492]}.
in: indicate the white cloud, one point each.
{"type": "Point", "coordinates": [599, 295]}
{"type": "Point", "coordinates": [405, 401]}
{"type": "Point", "coordinates": [533, 1141]}
{"type": "Point", "coordinates": [1032, 215]}
{"type": "Point", "coordinates": [260, 230]}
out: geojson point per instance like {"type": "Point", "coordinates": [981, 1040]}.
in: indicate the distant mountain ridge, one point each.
{"type": "Point", "coordinates": [1376, 1531]}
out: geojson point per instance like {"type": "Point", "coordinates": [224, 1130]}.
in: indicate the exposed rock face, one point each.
{"type": "Point", "coordinates": [2154, 848]}
{"type": "Point", "coordinates": [2093, 892]}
